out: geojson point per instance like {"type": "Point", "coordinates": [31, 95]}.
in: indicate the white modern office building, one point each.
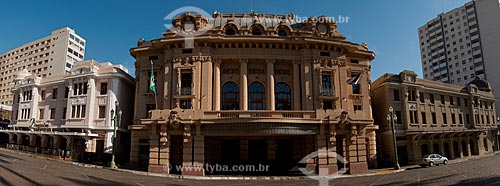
{"type": "Point", "coordinates": [463, 44]}
{"type": "Point", "coordinates": [51, 55]}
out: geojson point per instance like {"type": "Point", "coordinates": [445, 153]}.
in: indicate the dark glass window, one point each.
{"type": "Point", "coordinates": [230, 31]}
{"type": "Point", "coordinates": [326, 85]}
{"type": "Point", "coordinates": [256, 96]}
{"type": "Point", "coordinates": [283, 98]}
{"type": "Point", "coordinates": [395, 93]}
{"type": "Point", "coordinates": [104, 88]}
{"type": "Point", "coordinates": [230, 96]}
{"type": "Point", "coordinates": [282, 32]}
{"type": "Point", "coordinates": [256, 32]}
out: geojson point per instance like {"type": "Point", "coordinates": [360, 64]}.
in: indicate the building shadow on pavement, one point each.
{"type": "Point", "coordinates": [33, 182]}
{"type": "Point", "coordinates": [95, 181]}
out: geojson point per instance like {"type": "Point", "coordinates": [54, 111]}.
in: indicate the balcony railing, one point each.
{"type": "Point", "coordinates": [259, 114]}
{"type": "Point", "coordinates": [185, 91]}
{"type": "Point", "coordinates": [328, 92]}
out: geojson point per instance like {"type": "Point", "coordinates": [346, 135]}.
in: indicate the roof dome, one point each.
{"type": "Point", "coordinates": [481, 84]}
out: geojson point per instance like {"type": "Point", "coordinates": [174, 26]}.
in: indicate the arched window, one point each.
{"type": "Point", "coordinates": [282, 32]}
{"type": "Point", "coordinates": [256, 96]}
{"type": "Point", "coordinates": [230, 96]}
{"type": "Point", "coordinates": [282, 97]}
{"type": "Point", "coordinates": [257, 30]}
{"type": "Point", "coordinates": [230, 31]}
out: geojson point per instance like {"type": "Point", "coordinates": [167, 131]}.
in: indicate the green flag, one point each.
{"type": "Point", "coordinates": [152, 80]}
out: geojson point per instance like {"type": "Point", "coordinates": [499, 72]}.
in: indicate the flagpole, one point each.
{"type": "Point", "coordinates": [155, 92]}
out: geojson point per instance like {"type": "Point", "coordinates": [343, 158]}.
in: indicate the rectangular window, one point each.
{"type": "Point", "coordinates": [431, 98]}
{"type": "Point", "coordinates": [327, 105]}
{"type": "Point", "coordinates": [326, 85]}
{"type": "Point", "coordinates": [395, 93]}
{"type": "Point", "coordinates": [40, 115]}
{"type": "Point", "coordinates": [66, 92]}
{"type": "Point", "coordinates": [399, 118]}
{"type": "Point", "coordinates": [445, 120]}
{"type": "Point", "coordinates": [52, 113]}
{"type": "Point", "coordinates": [78, 111]}
{"type": "Point", "coordinates": [433, 115]}
{"type": "Point", "coordinates": [411, 94]}
{"type": "Point", "coordinates": [54, 93]}
{"type": "Point", "coordinates": [421, 97]}
{"type": "Point", "coordinates": [102, 111]}
{"type": "Point", "coordinates": [64, 112]}
{"type": "Point", "coordinates": [42, 95]}
{"type": "Point", "coordinates": [460, 119]}
{"type": "Point", "coordinates": [186, 104]}
{"type": "Point", "coordinates": [357, 107]}
{"type": "Point", "coordinates": [104, 88]}
{"type": "Point", "coordinates": [442, 99]}
{"type": "Point", "coordinates": [453, 120]}
{"type": "Point", "coordinates": [466, 102]}
{"type": "Point", "coordinates": [424, 119]}
{"type": "Point", "coordinates": [459, 102]}
{"type": "Point", "coordinates": [356, 88]}
{"type": "Point", "coordinates": [451, 100]}
{"type": "Point", "coordinates": [467, 118]}
{"type": "Point", "coordinates": [80, 88]}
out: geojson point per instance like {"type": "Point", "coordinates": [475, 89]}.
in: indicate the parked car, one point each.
{"type": "Point", "coordinates": [433, 159]}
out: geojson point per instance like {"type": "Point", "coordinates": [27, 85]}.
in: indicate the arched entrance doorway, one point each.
{"type": "Point", "coordinates": [25, 141]}
{"type": "Point", "coordinates": [62, 146]}
{"type": "Point", "coordinates": [446, 147]}
{"type": "Point", "coordinates": [424, 149]}
{"type": "Point", "coordinates": [4, 139]}
{"type": "Point", "coordinates": [456, 151]}
{"type": "Point", "coordinates": [435, 148]}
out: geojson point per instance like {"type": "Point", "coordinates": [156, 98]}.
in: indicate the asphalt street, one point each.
{"type": "Point", "coordinates": [20, 169]}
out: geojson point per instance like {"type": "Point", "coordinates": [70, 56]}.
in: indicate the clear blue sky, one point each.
{"type": "Point", "coordinates": [112, 27]}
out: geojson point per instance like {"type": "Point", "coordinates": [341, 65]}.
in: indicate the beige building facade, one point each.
{"type": "Point", "coordinates": [433, 117]}
{"type": "Point", "coordinates": [69, 115]}
{"type": "Point", "coordinates": [52, 55]}
{"type": "Point", "coordinates": [253, 92]}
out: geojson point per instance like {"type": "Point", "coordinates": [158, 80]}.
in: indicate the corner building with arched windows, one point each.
{"type": "Point", "coordinates": [250, 89]}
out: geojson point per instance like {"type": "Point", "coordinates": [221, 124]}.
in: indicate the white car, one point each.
{"type": "Point", "coordinates": [433, 159]}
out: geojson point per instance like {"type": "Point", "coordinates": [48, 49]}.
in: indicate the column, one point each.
{"type": "Point", "coordinates": [296, 85]}
{"type": "Point", "coordinates": [217, 85]}
{"type": "Point", "coordinates": [270, 83]}
{"type": "Point", "coordinates": [308, 92]}
{"type": "Point", "coordinates": [178, 89]}
{"type": "Point", "coordinates": [441, 147]}
{"type": "Point", "coordinates": [167, 85]}
{"type": "Point", "coordinates": [244, 84]}
{"type": "Point", "coordinates": [451, 148]}
{"type": "Point", "coordinates": [460, 150]}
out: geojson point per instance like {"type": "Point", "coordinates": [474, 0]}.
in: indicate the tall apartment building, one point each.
{"type": "Point", "coordinates": [462, 44]}
{"type": "Point", "coordinates": [51, 55]}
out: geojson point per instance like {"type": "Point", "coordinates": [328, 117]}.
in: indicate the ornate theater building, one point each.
{"type": "Point", "coordinates": [248, 89]}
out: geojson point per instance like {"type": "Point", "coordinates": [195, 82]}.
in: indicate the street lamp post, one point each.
{"type": "Point", "coordinates": [116, 123]}
{"type": "Point", "coordinates": [498, 134]}
{"type": "Point", "coordinates": [392, 118]}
